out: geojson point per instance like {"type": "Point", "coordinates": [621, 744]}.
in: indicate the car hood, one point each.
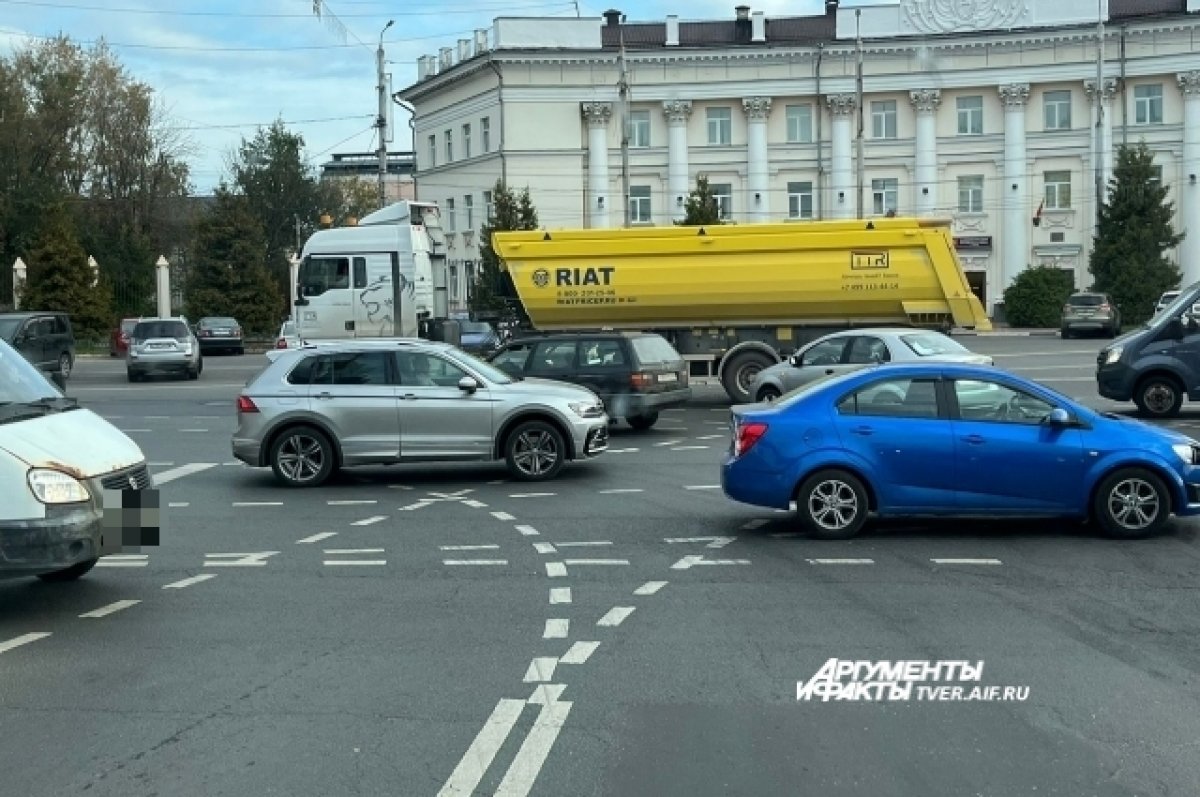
{"type": "Point", "coordinates": [550, 388]}
{"type": "Point", "coordinates": [77, 442]}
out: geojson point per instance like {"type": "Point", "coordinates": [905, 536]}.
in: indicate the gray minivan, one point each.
{"type": "Point", "coordinates": [44, 338]}
{"type": "Point", "coordinates": [1157, 365]}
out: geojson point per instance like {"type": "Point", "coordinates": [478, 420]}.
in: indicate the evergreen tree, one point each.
{"type": "Point", "coordinates": [60, 279]}
{"type": "Point", "coordinates": [493, 293]}
{"type": "Point", "coordinates": [701, 206]}
{"type": "Point", "coordinates": [1129, 257]}
{"type": "Point", "coordinates": [229, 274]}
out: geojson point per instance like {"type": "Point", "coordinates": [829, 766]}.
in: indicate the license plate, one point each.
{"type": "Point", "coordinates": [667, 378]}
{"type": "Point", "coordinates": [161, 346]}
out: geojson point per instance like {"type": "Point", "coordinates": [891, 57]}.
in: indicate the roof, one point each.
{"type": "Point", "coordinates": [1126, 9]}
{"type": "Point", "coordinates": [780, 30]}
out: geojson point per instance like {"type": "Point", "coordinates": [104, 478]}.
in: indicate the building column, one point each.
{"type": "Point", "coordinates": [597, 116]}
{"type": "Point", "coordinates": [842, 107]}
{"type": "Point", "coordinates": [678, 186]}
{"type": "Point", "coordinates": [1015, 225]}
{"type": "Point", "coordinates": [925, 102]}
{"type": "Point", "coordinates": [1102, 146]}
{"type": "Point", "coordinates": [1189, 188]}
{"type": "Point", "coordinates": [758, 172]}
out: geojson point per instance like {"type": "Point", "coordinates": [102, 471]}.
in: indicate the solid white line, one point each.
{"type": "Point", "coordinates": [650, 587]}
{"type": "Point", "coordinates": [104, 563]}
{"type": "Point", "coordinates": [615, 616]}
{"type": "Point", "coordinates": [195, 431]}
{"type": "Point", "coordinates": [757, 523]}
{"type": "Point", "coordinates": [966, 561]}
{"type": "Point", "coordinates": [362, 562]}
{"type": "Point", "coordinates": [556, 569]}
{"type": "Point", "coordinates": [702, 487]}
{"type": "Point", "coordinates": [519, 779]}
{"type": "Point", "coordinates": [528, 531]}
{"type": "Point", "coordinates": [474, 504]}
{"type": "Point", "coordinates": [560, 595]}
{"type": "Point", "coordinates": [574, 562]}
{"type": "Point", "coordinates": [543, 547]}
{"type": "Point", "coordinates": [622, 451]}
{"type": "Point", "coordinates": [502, 516]}
{"type": "Point", "coordinates": [479, 756]}
{"type": "Point", "coordinates": [178, 505]}
{"type": "Point", "coordinates": [579, 653]}
{"type": "Point", "coordinates": [369, 521]}
{"type": "Point", "coordinates": [531, 495]}
{"type": "Point", "coordinates": [111, 608]}
{"type": "Point", "coordinates": [352, 550]}
{"type": "Point", "coordinates": [690, 448]}
{"type": "Point", "coordinates": [258, 503]}
{"type": "Point", "coordinates": [324, 535]}
{"type": "Point", "coordinates": [187, 582]}
{"type": "Point", "coordinates": [556, 629]}
{"type": "Point", "coordinates": [841, 561]}
{"type": "Point", "coordinates": [584, 544]}
{"type": "Point", "coordinates": [541, 669]}
{"type": "Point", "coordinates": [686, 562]}
{"type": "Point", "coordinates": [24, 639]}
{"type": "Point", "coordinates": [352, 503]}
{"type": "Point", "coordinates": [467, 547]}
{"type": "Point", "coordinates": [183, 470]}
{"type": "Point", "coordinates": [474, 561]}
{"type": "Point", "coordinates": [622, 490]}
{"type": "Point", "coordinates": [722, 562]}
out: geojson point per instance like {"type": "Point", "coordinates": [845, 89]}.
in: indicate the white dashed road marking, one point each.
{"type": "Point", "coordinates": [519, 779]}
{"type": "Point", "coordinates": [347, 551]}
{"type": "Point", "coordinates": [556, 629]}
{"type": "Point", "coordinates": [666, 443]}
{"type": "Point", "coordinates": [531, 495]}
{"type": "Point", "coordinates": [502, 516]}
{"type": "Point", "coordinates": [370, 521]}
{"type": "Point", "coordinates": [579, 653]}
{"type": "Point", "coordinates": [467, 547]}
{"type": "Point", "coordinates": [577, 562]}
{"type": "Point", "coordinates": [111, 608]}
{"type": "Point", "coordinates": [257, 503]}
{"type": "Point", "coordinates": [324, 535]}
{"type": "Point", "coordinates": [183, 470]}
{"type": "Point", "coordinates": [528, 531]}
{"type": "Point", "coordinates": [24, 639]}
{"type": "Point", "coordinates": [650, 587]}
{"type": "Point", "coordinates": [584, 544]}
{"type": "Point", "coordinates": [541, 669]}
{"type": "Point", "coordinates": [545, 694]}
{"type": "Point", "coordinates": [622, 490]}
{"type": "Point", "coordinates": [841, 561]}
{"type": "Point", "coordinates": [125, 560]}
{"type": "Point", "coordinates": [238, 559]}
{"type": "Point", "coordinates": [187, 582]}
{"type": "Point", "coordinates": [615, 616]}
{"type": "Point", "coordinates": [483, 562]}
{"type": "Point", "coordinates": [178, 505]}
{"type": "Point", "coordinates": [543, 547]}
{"type": "Point", "coordinates": [560, 595]}
{"type": "Point", "coordinates": [474, 504]}
{"type": "Point", "coordinates": [690, 448]}
{"type": "Point", "coordinates": [966, 561]}
{"type": "Point", "coordinates": [702, 487]}
{"type": "Point", "coordinates": [362, 502]}
{"type": "Point", "coordinates": [556, 569]}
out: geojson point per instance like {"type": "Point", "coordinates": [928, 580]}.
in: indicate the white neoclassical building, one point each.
{"type": "Point", "coordinates": [983, 111]}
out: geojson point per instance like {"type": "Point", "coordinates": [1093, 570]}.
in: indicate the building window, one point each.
{"type": "Point", "coordinates": [1058, 190]}
{"type": "Point", "coordinates": [970, 116]}
{"type": "Point", "coordinates": [469, 207]}
{"type": "Point", "coordinates": [1148, 104]}
{"type": "Point", "coordinates": [466, 133]}
{"type": "Point", "coordinates": [485, 132]}
{"type": "Point", "coordinates": [1058, 110]}
{"type": "Point", "coordinates": [450, 215]}
{"type": "Point", "coordinates": [639, 129]}
{"type": "Point", "coordinates": [1155, 175]}
{"type": "Point", "coordinates": [639, 204]}
{"type": "Point", "coordinates": [432, 151]}
{"type": "Point", "coordinates": [970, 194]}
{"type": "Point", "coordinates": [449, 146]}
{"type": "Point", "coordinates": [799, 124]}
{"type": "Point", "coordinates": [723, 193]}
{"type": "Point", "coordinates": [488, 210]}
{"type": "Point", "coordinates": [800, 200]}
{"type": "Point", "coordinates": [720, 125]}
{"type": "Point", "coordinates": [884, 194]}
{"type": "Point", "coordinates": [883, 119]}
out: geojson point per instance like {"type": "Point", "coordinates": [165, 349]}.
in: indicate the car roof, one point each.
{"type": "Point", "coordinates": [877, 331]}
{"type": "Point", "coordinates": [30, 313]}
{"type": "Point", "coordinates": [613, 334]}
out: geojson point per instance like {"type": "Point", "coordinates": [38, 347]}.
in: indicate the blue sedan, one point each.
{"type": "Point", "coordinates": [936, 439]}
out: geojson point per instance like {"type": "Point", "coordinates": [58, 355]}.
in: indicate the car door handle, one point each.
{"type": "Point", "coordinates": [974, 439]}
{"type": "Point", "coordinates": [324, 394]}
{"type": "Point", "coordinates": [828, 371]}
{"type": "Point", "coordinates": [409, 397]}
{"type": "Point", "coordinates": [863, 430]}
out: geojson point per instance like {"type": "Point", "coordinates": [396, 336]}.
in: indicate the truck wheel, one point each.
{"type": "Point", "coordinates": [1158, 397]}
{"type": "Point", "coordinates": [68, 574]}
{"type": "Point", "coordinates": [643, 422]}
{"type": "Point", "coordinates": [768, 394]}
{"type": "Point", "coordinates": [739, 373]}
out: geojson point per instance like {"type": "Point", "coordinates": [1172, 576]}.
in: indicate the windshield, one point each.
{"type": "Point", "coordinates": [475, 327]}
{"type": "Point", "coordinates": [485, 369]}
{"type": "Point", "coordinates": [20, 381]}
{"type": "Point", "coordinates": [160, 329]}
{"type": "Point", "coordinates": [218, 322]}
{"type": "Point", "coordinates": [1086, 300]}
{"type": "Point", "coordinates": [929, 344]}
{"type": "Point", "coordinates": [821, 381]}
{"type": "Point", "coordinates": [9, 327]}
{"type": "Point", "coordinates": [654, 349]}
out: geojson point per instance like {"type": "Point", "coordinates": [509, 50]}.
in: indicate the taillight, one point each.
{"type": "Point", "coordinates": [237, 332]}
{"type": "Point", "coordinates": [281, 343]}
{"type": "Point", "coordinates": [1104, 308]}
{"type": "Point", "coordinates": [640, 380]}
{"type": "Point", "coordinates": [746, 435]}
{"type": "Point", "coordinates": [244, 404]}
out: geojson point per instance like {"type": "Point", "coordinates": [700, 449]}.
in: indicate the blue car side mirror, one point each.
{"type": "Point", "coordinates": [1058, 417]}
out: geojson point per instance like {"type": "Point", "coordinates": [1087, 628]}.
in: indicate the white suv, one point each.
{"type": "Point", "coordinates": [163, 345]}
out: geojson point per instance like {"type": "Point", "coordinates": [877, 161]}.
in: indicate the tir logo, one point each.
{"type": "Point", "coordinates": [541, 278]}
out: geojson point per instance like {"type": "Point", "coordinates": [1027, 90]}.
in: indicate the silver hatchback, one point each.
{"type": "Point", "coordinates": [324, 406]}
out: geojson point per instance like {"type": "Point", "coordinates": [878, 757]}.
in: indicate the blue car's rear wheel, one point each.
{"type": "Point", "coordinates": [832, 504]}
{"type": "Point", "coordinates": [1131, 503]}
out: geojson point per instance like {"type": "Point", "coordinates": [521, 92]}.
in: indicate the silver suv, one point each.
{"type": "Point", "coordinates": [163, 345]}
{"type": "Point", "coordinates": [323, 406]}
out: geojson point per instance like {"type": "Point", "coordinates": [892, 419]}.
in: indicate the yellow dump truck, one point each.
{"type": "Point", "coordinates": [735, 299]}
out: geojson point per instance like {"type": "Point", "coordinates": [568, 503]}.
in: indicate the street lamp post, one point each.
{"type": "Point", "coordinates": [381, 122]}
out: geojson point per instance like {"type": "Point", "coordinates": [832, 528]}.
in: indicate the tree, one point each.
{"type": "Point", "coordinates": [60, 279]}
{"type": "Point", "coordinates": [229, 274]}
{"type": "Point", "coordinates": [1129, 256]}
{"type": "Point", "coordinates": [494, 292]}
{"type": "Point", "coordinates": [1036, 297]}
{"type": "Point", "coordinates": [347, 198]}
{"type": "Point", "coordinates": [701, 207]}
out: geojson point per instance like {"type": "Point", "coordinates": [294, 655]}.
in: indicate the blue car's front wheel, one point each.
{"type": "Point", "coordinates": [1131, 503]}
{"type": "Point", "coordinates": [832, 504]}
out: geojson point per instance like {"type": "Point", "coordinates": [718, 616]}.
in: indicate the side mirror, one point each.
{"type": "Point", "coordinates": [468, 384]}
{"type": "Point", "coordinates": [59, 380]}
{"type": "Point", "coordinates": [794, 360]}
{"type": "Point", "coordinates": [1058, 417]}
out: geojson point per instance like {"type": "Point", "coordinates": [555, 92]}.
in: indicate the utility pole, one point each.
{"type": "Point", "coordinates": [381, 122]}
{"type": "Point", "coordinates": [623, 86]}
{"type": "Point", "coordinates": [1099, 97]}
{"type": "Point", "coordinates": [858, 101]}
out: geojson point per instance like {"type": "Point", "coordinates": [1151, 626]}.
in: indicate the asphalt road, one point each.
{"type": "Point", "coordinates": [624, 630]}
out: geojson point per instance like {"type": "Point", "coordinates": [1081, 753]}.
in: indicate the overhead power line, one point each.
{"type": "Point", "coordinates": [465, 9]}
{"type": "Point", "coordinates": [187, 48]}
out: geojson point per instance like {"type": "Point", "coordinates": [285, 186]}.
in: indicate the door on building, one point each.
{"type": "Point", "coordinates": [978, 282]}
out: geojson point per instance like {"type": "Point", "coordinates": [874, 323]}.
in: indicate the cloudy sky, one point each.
{"type": "Point", "coordinates": [224, 67]}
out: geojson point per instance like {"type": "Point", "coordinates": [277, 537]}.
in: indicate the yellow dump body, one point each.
{"type": "Point", "coordinates": [857, 272]}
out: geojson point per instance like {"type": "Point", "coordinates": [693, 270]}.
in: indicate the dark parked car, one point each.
{"type": "Point", "coordinates": [219, 333]}
{"type": "Point", "coordinates": [636, 374]}
{"type": "Point", "coordinates": [45, 339]}
{"type": "Point", "coordinates": [1090, 312]}
{"type": "Point", "coordinates": [478, 337]}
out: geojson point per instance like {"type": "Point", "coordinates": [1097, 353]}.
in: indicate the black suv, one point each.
{"type": "Point", "coordinates": [636, 374]}
{"type": "Point", "coordinates": [45, 339]}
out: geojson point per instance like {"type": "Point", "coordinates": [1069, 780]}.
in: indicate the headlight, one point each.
{"type": "Point", "coordinates": [56, 487]}
{"type": "Point", "coordinates": [587, 409]}
{"type": "Point", "coordinates": [1114, 354]}
{"type": "Point", "coordinates": [1188, 452]}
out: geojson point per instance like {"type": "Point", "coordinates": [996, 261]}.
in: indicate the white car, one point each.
{"type": "Point", "coordinates": [288, 337]}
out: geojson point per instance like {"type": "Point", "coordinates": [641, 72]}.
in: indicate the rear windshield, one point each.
{"type": "Point", "coordinates": [475, 327]}
{"type": "Point", "coordinates": [1086, 300]}
{"type": "Point", "coordinates": [219, 322]}
{"type": "Point", "coordinates": [161, 329]}
{"type": "Point", "coordinates": [9, 327]}
{"type": "Point", "coordinates": [127, 326]}
{"type": "Point", "coordinates": [654, 349]}
{"type": "Point", "coordinates": [930, 344]}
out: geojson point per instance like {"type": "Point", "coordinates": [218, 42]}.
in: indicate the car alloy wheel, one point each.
{"type": "Point", "coordinates": [302, 457]}
{"type": "Point", "coordinates": [535, 451]}
{"type": "Point", "coordinates": [833, 504]}
{"type": "Point", "coordinates": [1132, 503]}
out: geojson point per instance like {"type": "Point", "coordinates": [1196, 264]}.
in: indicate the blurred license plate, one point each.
{"type": "Point", "coordinates": [667, 378]}
{"type": "Point", "coordinates": [160, 345]}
